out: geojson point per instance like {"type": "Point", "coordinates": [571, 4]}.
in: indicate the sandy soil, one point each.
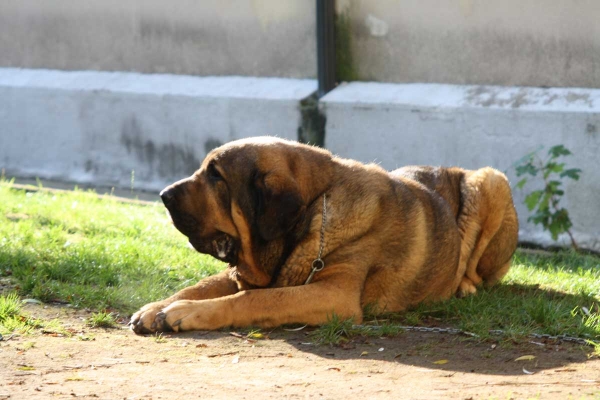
{"type": "Point", "coordinates": [117, 364]}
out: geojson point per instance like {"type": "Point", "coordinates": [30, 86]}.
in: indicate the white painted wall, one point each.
{"type": "Point", "coordinates": [98, 127]}
{"type": "Point", "coordinates": [472, 127]}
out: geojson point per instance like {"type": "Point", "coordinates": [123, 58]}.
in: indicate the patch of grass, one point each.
{"type": "Point", "coordinates": [159, 338]}
{"type": "Point", "coordinates": [338, 330]}
{"type": "Point", "coordinates": [555, 294]}
{"type": "Point", "coordinates": [27, 345]}
{"type": "Point", "coordinates": [102, 319]}
{"type": "Point", "coordinates": [93, 252]}
{"type": "Point", "coordinates": [13, 321]}
{"type": "Point", "coordinates": [596, 346]}
{"type": "Point", "coordinates": [256, 334]}
{"type": "Point", "coordinates": [335, 331]}
{"type": "Point", "coordinates": [10, 306]}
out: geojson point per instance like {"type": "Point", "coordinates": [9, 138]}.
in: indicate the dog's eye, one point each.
{"type": "Point", "coordinates": [213, 173]}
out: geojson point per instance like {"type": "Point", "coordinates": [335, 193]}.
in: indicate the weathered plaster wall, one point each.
{"type": "Point", "coordinates": [99, 127]}
{"type": "Point", "coordinates": [509, 42]}
{"type": "Point", "coordinates": [210, 37]}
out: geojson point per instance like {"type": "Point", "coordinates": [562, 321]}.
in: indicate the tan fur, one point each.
{"type": "Point", "coordinates": [389, 241]}
{"type": "Point", "coordinates": [482, 203]}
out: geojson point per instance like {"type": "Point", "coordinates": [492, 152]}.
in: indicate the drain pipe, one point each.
{"type": "Point", "coordinates": [313, 120]}
{"type": "Point", "coordinates": [325, 46]}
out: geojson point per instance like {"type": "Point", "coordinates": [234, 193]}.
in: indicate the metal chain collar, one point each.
{"type": "Point", "coordinates": [318, 264]}
{"type": "Point", "coordinates": [495, 332]}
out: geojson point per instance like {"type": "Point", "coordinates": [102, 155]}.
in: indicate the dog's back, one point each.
{"type": "Point", "coordinates": [446, 182]}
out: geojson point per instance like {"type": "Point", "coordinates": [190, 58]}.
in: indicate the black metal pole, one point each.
{"type": "Point", "coordinates": [325, 46]}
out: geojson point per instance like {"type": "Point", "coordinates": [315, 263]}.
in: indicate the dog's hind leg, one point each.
{"type": "Point", "coordinates": [498, 274]}
{"type": "Point", "coordinates": [495, 261]}
{"type": "Point", "coordinates": [481, 190]}
{"type": "Point", "coordinates": [489, 229]}
{"type": "Point", "coordinates": [497, 239]}
{"type": "Point", "coordinates": [469, 231]}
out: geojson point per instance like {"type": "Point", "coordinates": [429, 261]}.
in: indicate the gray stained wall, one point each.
{"type": "Point", "coordinates": [509, 42]}
{"type": "Point", "coordinates": [102, 127]}
{"type": "Point", "coordinates": [210, 37]}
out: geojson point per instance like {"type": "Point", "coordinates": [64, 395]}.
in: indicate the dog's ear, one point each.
{"type": "Point", "coordinates": [280, 204]}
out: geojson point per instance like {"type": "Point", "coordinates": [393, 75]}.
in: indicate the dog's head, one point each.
{"type": "Point", "coordinates": [247, 202]}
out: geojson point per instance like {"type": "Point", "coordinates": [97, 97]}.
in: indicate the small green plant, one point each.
{"type": "Point", "coordinates": [11, 319]}
{"type": "Point", "coordinates": [10, 306]}
{"type": "Point", "coordinates": [27, 345]}
{"type": "Point", "coordinates": [102, 319]}
{"type": "Point", "coordinates": [335, 331]}
{"type": "Point", "coordinates": [159, 338]}
{"type": "Point", "coordinates": [596, 351]}
{"type": "Point", "coordinates": [256, 334]}
{"type": "Point", "coordinates": [544, 203]}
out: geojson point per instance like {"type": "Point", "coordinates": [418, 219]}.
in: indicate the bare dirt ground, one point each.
{"type": "Point", "coordinates": [116, 364]}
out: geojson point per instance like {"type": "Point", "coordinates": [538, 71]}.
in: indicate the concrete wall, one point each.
{"type": "Point", "coordinates": [210, 37]}
{"type": "Point", "coordinates": [472, 127]}
{"type": "Point", "coordinates": [508, 42]}
{"type": "Point", "coordinates": [98, 127]}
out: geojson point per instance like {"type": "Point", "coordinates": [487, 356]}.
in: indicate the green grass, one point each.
{"type": "Point", "coordinates": [93, 252]}
{"type": "Point", "coordinates": [10, 306]}
{"type": "Point", "coordinates": [557, 294]}
{"type": "Point", "coordinates": [113, 257]}
{"type": "Point", "coordinates": [12, 319]}
{"type": "Point", "coordinates": [335, 331]}
{"type": "Point", "coordinates": [102, 319]}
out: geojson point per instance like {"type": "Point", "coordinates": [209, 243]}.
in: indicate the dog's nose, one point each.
{"type": "Point", "coordinates": [167, 195]}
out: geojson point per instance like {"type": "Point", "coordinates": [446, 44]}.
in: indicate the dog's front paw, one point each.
{"type": "Point", "coordinates": [145, 320]}
{"type": "Point", "coordinates": [191, 315]}
{"type": "Point", "coordinates": [180, 316]}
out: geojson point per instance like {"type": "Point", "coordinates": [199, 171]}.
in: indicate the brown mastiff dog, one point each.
{"type": "Point", "coordinates": [482, 203]}
{"type": "Point", "coordinates": [306, 235]}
